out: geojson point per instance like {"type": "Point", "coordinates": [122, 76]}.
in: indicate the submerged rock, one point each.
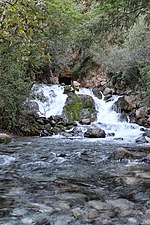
{"type": "Point", "coordinates": [121, 204]}
{"type": "Point", "coordinates": [95, 132]}
{"type": "Point", "coordinates": [4, 138]}
{"type": "Point", "coordinates": [121, 153]}
{"type": "Point", "coordinates": [99, 205]}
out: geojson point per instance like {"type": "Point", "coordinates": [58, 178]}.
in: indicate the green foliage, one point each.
{"type": "Point", "coordinates": [81, 69]}
{"type": "Point", "coordinates": [37, 33]}
{"type": "Point", "coordinates": [145, 86]}
{"type": "Point", "coordinates": [128, 64]}
{"type": "Point", "coordinates": [14, 87]}
{"type": "Point", "coordinates": [33, 34]}
{"type": "Point", "coordinates": [109, 22]}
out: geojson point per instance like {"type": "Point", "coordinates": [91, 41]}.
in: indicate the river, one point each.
{"type": "Point", "coordinates": [76, 181]}
{"type": "Point", "coordinates": [60, 181]}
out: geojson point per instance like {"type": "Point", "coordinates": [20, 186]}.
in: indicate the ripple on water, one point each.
{"type": "Point", "coordinates": [51, 180]}
{"type": "Point", "coordinates": [6, 160]}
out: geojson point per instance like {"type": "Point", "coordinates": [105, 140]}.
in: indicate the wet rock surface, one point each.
{"type": "Point", "coordinates": [49, 181]}
{"type": "Point", "coordinates": [4, 138]}
{"type": "Point", "coordinates": [95, 132]}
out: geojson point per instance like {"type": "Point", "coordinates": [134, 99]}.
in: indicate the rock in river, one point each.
{"type": "Point", "coordinates": [95, 132]}
{"type": "Point", "coordinates": [4, 138]}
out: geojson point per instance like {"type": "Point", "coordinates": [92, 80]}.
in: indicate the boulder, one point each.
{"type": "Point", "coordinates": [121, 105]}
{"type": "Point", "coordinates": [68, 89]}
{"type": "Point", "coordinates": [85, 122]}
{"type": "Point", "coordinates": [95, 132]}
{"type": "Point", "coordinates": [108, 97]}
{"type": "Point", "coordinates": [76, 85]}
{"type": "Point", "coordinates": [123, 117]}
{"type": "Point", "coordinates": [79, 107]}
{"type": "Point", "coordinates": [147, 133]}
{"type": "Point", "coordinates": [131, 99]}
{"type": "Point", "coordinates": [142, 116]}
{"type": "Point", "coordinates": [121, 153]}
{"type": "Point", "coordinates": [4, 138]}
{"type": "Point", "coordinates": [107, 91]}
{"type": "Point", "coordinates": [141, 113]}
{"type": "Point", "coordinates": [148, 121]}
{"type": "Point", "coordinates": [141, 140]}
{"type": "Point", "coordinates": [98, 92]}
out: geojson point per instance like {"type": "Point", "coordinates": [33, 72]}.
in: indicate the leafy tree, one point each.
{"type": "Point", "coordinates": [31, 33]}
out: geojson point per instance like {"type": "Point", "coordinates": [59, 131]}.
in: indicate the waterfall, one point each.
{"type": "Point", "coordinates": [109, 120]}
{"type": "Point", "coordinates": [54, 100]}
{"type": "Point", "coordinates": [50, 99]}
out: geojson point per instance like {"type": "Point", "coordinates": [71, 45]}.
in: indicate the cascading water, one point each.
{"type": "Point", "coordinates": [53, 99]}
{"type": "Point", "coordinates": [107, 119]}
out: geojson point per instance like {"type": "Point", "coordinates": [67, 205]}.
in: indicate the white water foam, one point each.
{"type": "Point", "coordinates": [54, 99]}
{"type": "Point", "coordinates": [6, 160]}
{"type": "Point", "coordinates": [108, 119]}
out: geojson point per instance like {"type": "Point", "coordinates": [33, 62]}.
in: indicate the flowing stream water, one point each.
{"type": "Point", "coordinates": [74, 181]}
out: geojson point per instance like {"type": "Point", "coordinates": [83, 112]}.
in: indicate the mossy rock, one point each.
{"type": "Point", "coordinates": [68, 89]}
{"type": "Point", "coordinates": [78, 107]}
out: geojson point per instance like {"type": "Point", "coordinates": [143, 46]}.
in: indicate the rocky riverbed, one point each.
{"type": "Point", "coordinates": [60, 181]}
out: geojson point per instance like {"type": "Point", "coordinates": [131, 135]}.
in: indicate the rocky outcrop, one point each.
{"type": "Point", "coordinates": [95, 132]}
{"type": "Point", "coordinates": [95, 77]}
{"type": "Point", "coordinates": [78, 107]}
{"type": "Point", "coordinates": [4, 138]}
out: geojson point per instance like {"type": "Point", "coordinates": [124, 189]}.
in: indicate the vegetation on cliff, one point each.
{"type": "Point", "coordinates": [40, 37]}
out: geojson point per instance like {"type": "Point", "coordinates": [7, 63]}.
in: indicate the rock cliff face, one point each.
{"type": "Point", "coordinates": [95, 77]}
